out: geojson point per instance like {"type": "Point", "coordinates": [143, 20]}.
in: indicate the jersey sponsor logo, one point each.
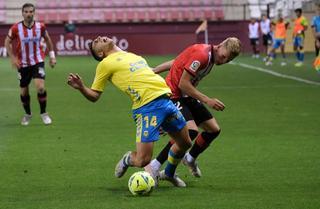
{"type": "Point", "coordinates": [195, 65]}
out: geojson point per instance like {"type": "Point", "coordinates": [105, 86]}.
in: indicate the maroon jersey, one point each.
{"type": "Point", "coordinates": [197, 60]}
{"type": "Point", "coordinates": [28, 46]}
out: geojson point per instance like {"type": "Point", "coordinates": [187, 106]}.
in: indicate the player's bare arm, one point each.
{"type": "Point", "coordinates": [75, 81]}
{"type": "Point", "coordinates": [186, 86]}
{"type": "Point", "coordinates": [53, 60]}
{"type": "Point", "coordinates": [163, 67]}
{"type": "Point", "coordinates": [8, 44]}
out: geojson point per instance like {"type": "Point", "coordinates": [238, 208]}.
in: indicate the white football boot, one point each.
{"type": "Point", "coordinates": [121, 167]}
{"type": "Point", "coordinates": [193, 167]}
{"type": "Point", "coordinates": [46, 118]}
{"type": "Point", "coordinates": [155, 173]}
{"type": "Point", "coordinates": [175, 180]}
{"type": "Point", "coordinates": [26, 119]}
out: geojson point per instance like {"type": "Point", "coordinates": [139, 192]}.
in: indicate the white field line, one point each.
{"type": "Point", "coordinates": [275, 73]}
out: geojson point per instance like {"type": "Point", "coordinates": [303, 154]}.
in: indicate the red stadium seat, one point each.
{"type": "Point", "coordinates": [2, 16]}
{"type": "Point", "coordinates": [142, 15]}
{"type": "Point", "coordinates": [63, 15]}
{"type": "Point", "coordinates": [109, 16]}
{"type": "Point", "coordinates": [52, 16]}
{"type": "Point", "coordinates": [175, 14]}
{"type": "Point", "coordinates": [219, 14]}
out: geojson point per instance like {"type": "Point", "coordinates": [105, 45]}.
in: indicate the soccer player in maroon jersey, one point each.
{"type": "Point", "coordinates": [186, 71]}
{"type": "Point", "coordinates": [23, 44]}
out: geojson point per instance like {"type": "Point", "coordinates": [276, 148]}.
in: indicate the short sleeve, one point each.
{"type": "Point", "coordinates": [196, 62]}
{"type": "Point", "coordinates": [43, 29]}
{"type": "Point", "coordinates": [103, 73]}
{"type": "Point", "coordinates": [13, 32]}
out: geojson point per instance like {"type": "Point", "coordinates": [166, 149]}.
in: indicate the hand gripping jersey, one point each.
{"type": "Point", "coordinates": [197, 60]}
{"type": "Point", "coordinates": [28, 47]}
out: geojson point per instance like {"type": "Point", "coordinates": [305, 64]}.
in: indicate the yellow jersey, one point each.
{"type": "Point", "coordinates": [299, 26]}
{"type": "Point", "coordinates": [131, 74]}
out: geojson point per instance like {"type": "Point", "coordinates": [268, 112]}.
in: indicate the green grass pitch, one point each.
{"type": "Point", "coordinates": [267, 156]}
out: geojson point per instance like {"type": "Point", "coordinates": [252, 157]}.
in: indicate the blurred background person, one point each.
{"type": "Point", "coordinates": [254, 37]}
{"type": "Point", "coordinates": [300, 26]}
{"type": "Point", "coordinates": [280, 32]}
{"type": "Point", "coordinates": [316, 29]}
{"type": "Point", "coordinates": [265, 27]}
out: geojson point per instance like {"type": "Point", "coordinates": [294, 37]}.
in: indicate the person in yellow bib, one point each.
{"type": "Point", "coordinates": [151, 106]}
{"type": "Point", "coordinates": [280, 31]}
{"type": "Point", "coordinates": [300, 26]}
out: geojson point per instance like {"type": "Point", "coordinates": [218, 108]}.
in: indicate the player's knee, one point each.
{"type": "Point", "coordinates": [193, 134]}
{"type": "Point", "coordinates": [210, 136]}
{"type": "Point", "coordinates": [41, 90]}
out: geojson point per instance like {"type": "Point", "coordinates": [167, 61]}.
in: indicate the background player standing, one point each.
{"type": "Point", "coordinates": [280, 33]}
{"type": "Point", "coordinates": [265, 26]}
{"type": "Point", "coordinates": [253, 30]}
{"type": "Point", "coordinates": [186, 71]}
{"type": "Point", "coordinates": [23, 44]}
{"type": "Point", "coordinates": [300, 26]}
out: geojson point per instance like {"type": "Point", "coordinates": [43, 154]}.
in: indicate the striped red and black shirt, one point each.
{"type": "Point", "coordinates": [28, 47]}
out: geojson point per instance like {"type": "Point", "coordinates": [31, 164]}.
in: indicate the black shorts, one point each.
{"type": "Point", "coordinates": [266, 39]}
{"type": "Point", "coordinates": [26, 74]}
{"type": "Point", "coordinates": [192, 109]}
{"type": "Point", "coordinates": [254, 41]}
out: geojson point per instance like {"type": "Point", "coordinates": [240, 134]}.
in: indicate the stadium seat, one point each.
{"type": "Point", "coordinates": [109, 16]}
{"type": "Point", "coordinates": [2, 16]}
{"type": "Point", "coordinates": [219, 15]}
{"type": "Point", "coordinates": [153, 15]}
{"type": "Point", "coordinates": [52, 16]}
{"type": "Point", "coordinates": [142, 15]}
{"type": "Point", "coordinates": [41, 15]}
{"type": "Point", "coordinates": [175, 14]}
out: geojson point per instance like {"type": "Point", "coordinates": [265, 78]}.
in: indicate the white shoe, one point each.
{"type": "Point", "coordinates": [298, 64]}
{"type": "Point", "coordinates": [268, 63]}
{"type": "Point", "coordinates": [193, 167]}
{"type": "Point", "coordinates": [121, 167]}
{"type": "Point", "coordinates": [154, 173]}
{"type": "Point", "coordinates": [283, 63]}
{"type": "Point", "coordinates": [26, 119]}
{"type": "Point", "coordinates": [46, 118]}
{"type": "Point", "coordinates": [175, 180]}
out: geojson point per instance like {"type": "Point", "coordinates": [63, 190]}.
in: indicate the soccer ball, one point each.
{"type": "Point", "coordinates": [141, 183]}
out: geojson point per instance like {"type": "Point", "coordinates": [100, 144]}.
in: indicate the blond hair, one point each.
{"type": "Point", "coordinates": [233, 45]}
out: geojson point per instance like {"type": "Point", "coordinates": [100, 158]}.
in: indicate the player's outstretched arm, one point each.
{"type": "Point", "coordinates": [163, 67]}
{"type": "Point", "coordinates": [75, 81]}
{"type": "Point", "coordinates": [186, 87]}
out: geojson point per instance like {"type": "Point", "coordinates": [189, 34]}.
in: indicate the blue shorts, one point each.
{"type": "Point", "coordinates": [159, 113]}
{"type": "Point", "coordinates": [278, 42]}
{"type": "Point", "coordinates": [298, 41]}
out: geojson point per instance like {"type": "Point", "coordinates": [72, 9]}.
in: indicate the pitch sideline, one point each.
{"type": "Point", "coordinates": [264, 70]}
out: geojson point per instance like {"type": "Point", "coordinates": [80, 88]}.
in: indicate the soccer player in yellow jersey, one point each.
{"type": "Point", "coordinates": [151, 107]}
{"type": "Point", "coordinates": [300, 26]}
{"type": "Point", "coordinates": [280, 30]}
